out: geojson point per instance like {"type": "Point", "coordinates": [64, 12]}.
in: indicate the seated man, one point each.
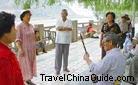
{"type": "Point", "coordinates": [113, 64]}
{"type": "Point", "coordinates": [90, 30]}
{"type": "Point", "coordinates": [39, 44]}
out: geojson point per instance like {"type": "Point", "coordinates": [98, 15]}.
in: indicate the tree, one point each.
{"type": "Point", "coordinates": [97, 5]}
{"type": "Point", "coordinates": [100, 6]}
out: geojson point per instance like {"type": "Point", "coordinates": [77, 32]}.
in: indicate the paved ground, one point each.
{"type": "Point", "coordinates": [77, 66]}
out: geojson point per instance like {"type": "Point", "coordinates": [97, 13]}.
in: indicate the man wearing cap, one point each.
{"type": "Point", "coordinates": [130, 28]}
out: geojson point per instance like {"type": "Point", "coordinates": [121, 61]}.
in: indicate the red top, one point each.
{"type": "Point", "coordinates": [10, 73]}
{"type": "Point", "coordinates": [90, 29]}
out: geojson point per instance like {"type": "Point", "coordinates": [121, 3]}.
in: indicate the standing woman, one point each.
{"type": "Point", "coordinates": [26, 47]}
{"type": "Point", "coordinates": [10, 72]}
{"type": "Point", "coordinates": [109, 26]}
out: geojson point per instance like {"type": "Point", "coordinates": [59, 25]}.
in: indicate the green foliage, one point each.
{"type": "Point", "coordinates": [26, 4]}
{"type": "Point", "coordinates": [97, 5]}
{"type": "Point", "coordinates": [51, 2]}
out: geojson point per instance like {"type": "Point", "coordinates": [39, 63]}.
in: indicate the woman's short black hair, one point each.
{"type": "Point", "coordinates": [6, 22]}
{"type": "Point", "coordinates": [24, 13]}
{"type": "Point", "coordinates": [112, 13]}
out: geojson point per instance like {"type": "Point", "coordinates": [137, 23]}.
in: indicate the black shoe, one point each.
{"type": "Point", "coordinates": [29, 82]}
{"type": "Point", "coordinates": [44, 50]}
{"type": "Point", "coordinates": [36, 52]}
{"type": "Point", "coordinates": [66, 70]}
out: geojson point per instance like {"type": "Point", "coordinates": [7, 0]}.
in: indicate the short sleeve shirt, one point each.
{"type": "Point", "coordinates": [114, 28]}
{"type": "Point", "coordinates": [63, 37]}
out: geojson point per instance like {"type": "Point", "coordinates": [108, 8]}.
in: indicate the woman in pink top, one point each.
{"type": "Point", "coordinates": [26, 47]}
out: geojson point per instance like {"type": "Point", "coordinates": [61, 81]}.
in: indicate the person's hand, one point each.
{"type": "Point", "coordinates": [86, 56]}
{"type": "Point", "coordinates": [61, 29]}
{"type": "Point", "coordinates": [20, 52]}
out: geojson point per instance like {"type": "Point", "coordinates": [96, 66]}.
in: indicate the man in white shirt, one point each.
{"type": "Point", "coordinates": [63, 40]}
{"type": "Point", "coordinates": [113, 64]}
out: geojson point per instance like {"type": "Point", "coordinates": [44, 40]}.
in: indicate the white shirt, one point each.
{"type": "Point", "coordinates": [63, 37]}
{"type": "Point", "coordinates": [112, 64]}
